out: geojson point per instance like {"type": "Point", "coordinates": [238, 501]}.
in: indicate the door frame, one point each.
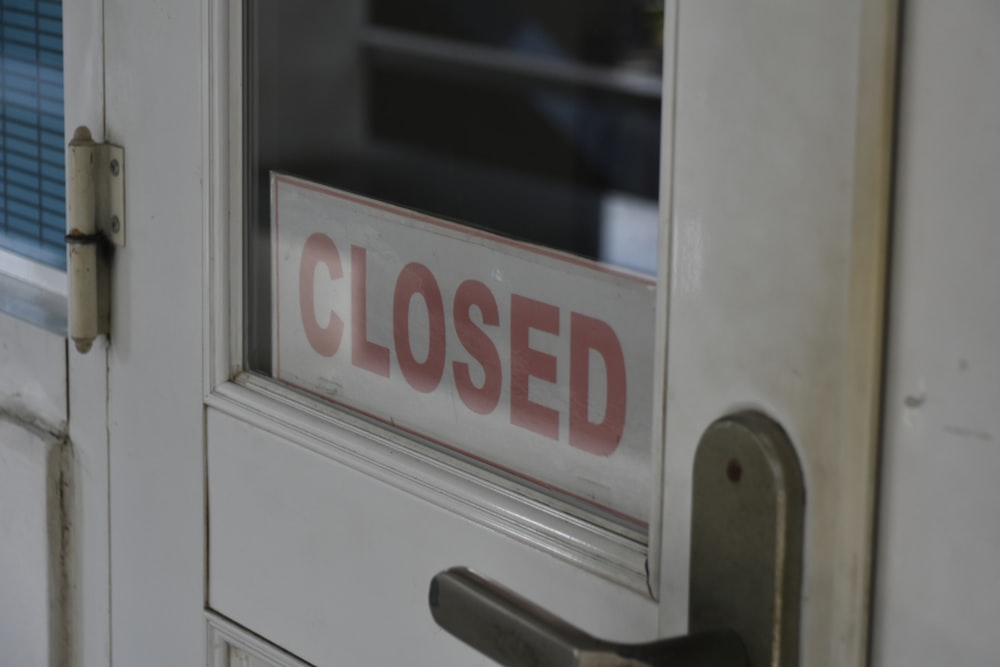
{"type": "Point", "coordinates": [89, 563]}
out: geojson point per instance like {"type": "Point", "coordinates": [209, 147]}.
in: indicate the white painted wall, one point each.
{"type": "Point", "coordinates": [938, 572]}
{"type": "Point", "coordinates": [32, 420]}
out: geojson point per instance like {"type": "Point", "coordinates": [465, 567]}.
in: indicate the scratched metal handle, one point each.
{"type": "Point", "coordinates": [517, 633]}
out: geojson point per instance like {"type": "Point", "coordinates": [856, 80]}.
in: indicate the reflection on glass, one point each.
{"type": "Point", "coordinates": [536, 120]}
{"type": "Point", "coordinates": [609, 33]}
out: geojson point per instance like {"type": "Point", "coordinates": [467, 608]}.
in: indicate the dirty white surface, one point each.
{"type": "Point", "coordinates": [28, 567]}
{"type": "Point", "coordinates": [83, 82]}
{"type": "Point", "coordinates": [32, 414]}
{"type": "Point", "coordinates": [773, 272]}
{"type": "Point", "coordinates": [330, 564]}
{"type": "Point", "coordinates": [32, 373]}
{"type": "Point", "coordinates": [937, 586]}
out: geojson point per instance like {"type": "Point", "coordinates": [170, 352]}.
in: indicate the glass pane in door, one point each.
{"type": "Point", "coordinates": [503, 144]}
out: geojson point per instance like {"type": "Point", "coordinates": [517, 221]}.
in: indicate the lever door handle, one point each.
{"type": "Point", "coordinates": [745, 573]}
{"type": "Point", "coordinates": [517, 633]}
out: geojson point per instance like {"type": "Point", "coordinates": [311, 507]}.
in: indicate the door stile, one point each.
{"type": "Point", "coordinates": [780, 215]}
{"type": "Point", "coordinates": [88, 561]}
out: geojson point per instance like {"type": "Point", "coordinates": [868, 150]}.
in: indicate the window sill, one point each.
{"type": "Point", "coordinates": [33, 304]}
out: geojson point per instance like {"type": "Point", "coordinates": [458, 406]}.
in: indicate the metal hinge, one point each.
{"type": "Point", "coordinates": [95, 223]}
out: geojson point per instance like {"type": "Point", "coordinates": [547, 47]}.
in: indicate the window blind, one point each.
{"type": "Point", "coordinates": [32, 153]}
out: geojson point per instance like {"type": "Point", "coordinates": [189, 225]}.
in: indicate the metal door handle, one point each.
{"type": "Point", "coordinates": [517, 633]}
{"type": "Point", "coordinates": [747, 511]}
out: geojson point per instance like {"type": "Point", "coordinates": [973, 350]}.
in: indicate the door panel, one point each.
{"type": "Point", "coordinates": [284, 520]}
{"type": "Point", "coordinates": [34, 465]}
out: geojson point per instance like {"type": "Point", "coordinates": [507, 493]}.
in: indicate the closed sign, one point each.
{"type": "Point", "coordinates": [533, 361]}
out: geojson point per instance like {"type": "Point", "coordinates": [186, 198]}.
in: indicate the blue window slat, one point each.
{"type": "Point", "coordinates": [25, 217]}
{"type": "Point", "coordinates": [20, 178]}
{"type": "Point", "coordinates": [26, 67]}
{"type": "Point", "coordinates": [54, 172]}
{"type": "Point", "coordinates": [23, 163]}
{"type": "Point", "coordinates": [22, 195]}
{"type": "Point", "coordinates": [27, 226]}
{"type": "Point", "coordinates": [51, 140]}
{"type": "Point", "coordinates": [56, 226]}
{"type": "Point", "coordinates": [55, 187]}
{"type": "Point", "coordinates": [54, 237]}
{"type": "Point", "coordinates": [54, 204]}
{"type": "Point", "coordinates": [53, 9]}
{"type": "Point", "coordinates": [22, 87]}
{"type": "Point", "coordinates": [19, 99]}
{"type": "Point", "coordinates": [22, 147]}
{"type": "Point", "coordinates": [21, 52]}
{"type": "Point", "coordinates": [52, 95]}
{"type": "Point", "coordinates": [17, 35]}
{"type": "Point", "coordinates": [22, 115]}
{"type": "Point", "coordinates": [51, 123]}
{"type": "Point", "coordinates": [50, 58]}
{"type": "Point", "coordinates": [56, 233]}
{"type": "Point", "coordinates": [55, 110]}
{"type": "Point", "coordinates": [24, 5]}
{"type": "Point", "coordinates": [50, 137]}
{"type": "Point", "coordinates": [52, 43]}
{"type": "Point", "coordinates": [21, 19]}
{"type": "Point", "coordinates": [21, 84]}
{"type": "Point", "coordinates": [21, 131]}
{"type": "Point", "coordinates": [11, 11]}
{"type": "Point", "coordinates": [19, 67]}
{"type": "Point", "coordinates": [53, 219]}
{"type": "Point", "coordinates": [51, 74]}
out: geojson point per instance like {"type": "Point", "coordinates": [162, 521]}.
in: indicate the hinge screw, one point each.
{"type": "Point", "coordinates": [115, 167]}
{"type": "Point", "coordinates": [116, 224]}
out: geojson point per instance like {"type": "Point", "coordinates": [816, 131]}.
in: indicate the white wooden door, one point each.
{"type": "Point", "coordinates": [249, 524]}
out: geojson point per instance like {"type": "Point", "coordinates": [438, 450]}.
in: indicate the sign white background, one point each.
{"type": "Point", "coordinates": [346, 361]}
